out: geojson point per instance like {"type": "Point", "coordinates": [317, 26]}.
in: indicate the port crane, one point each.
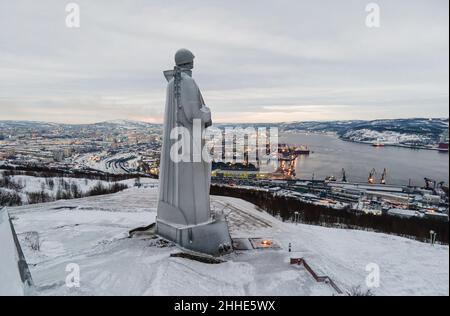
{"type": "Point", "coordinates": [430, 184]}
{"type": "Point", "coordinates": [344, 176]}
{"type": "Point", "coordinates": [383, 176]}
{"type": "Point", "coordinates": [371, 178]}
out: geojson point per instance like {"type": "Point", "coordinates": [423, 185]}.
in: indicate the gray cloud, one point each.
{"type": "Point", "coordinates": [256, 60]}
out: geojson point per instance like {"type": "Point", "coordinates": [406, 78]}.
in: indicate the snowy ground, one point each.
{"type": "Point", "coordinates": [92, 232]}
{"type": "Point", "coordinates": [51, 186]}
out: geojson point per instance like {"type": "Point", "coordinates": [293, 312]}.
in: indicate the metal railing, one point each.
{"type": "Point", "coordinates": [22, 265]}
{"type": "Point", "coordinates": [324, 279]}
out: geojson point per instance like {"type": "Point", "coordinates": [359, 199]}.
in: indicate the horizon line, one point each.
{"type": "Point", "coordinates": [275, 122]}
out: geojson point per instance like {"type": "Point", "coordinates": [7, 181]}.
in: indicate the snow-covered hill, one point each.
{"type": "Point", "coordinates": [92, 232]}
{"type": "Point", "coordinates": [125, 124]}
{"type": "Point", "coordinates": [23, 189]}
{"type": "Point", "coordinates": [387, 137]}
{"type": "Point", "coordinates": [417, 132]}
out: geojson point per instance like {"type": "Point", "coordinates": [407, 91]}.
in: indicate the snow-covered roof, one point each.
{"type": "Point", "coordinates": [404, 213]}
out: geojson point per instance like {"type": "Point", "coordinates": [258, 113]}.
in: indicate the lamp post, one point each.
{"type": "Point", "coordinates": [432, 237]}
{"type": "Point", "coordinates": [297, 217]}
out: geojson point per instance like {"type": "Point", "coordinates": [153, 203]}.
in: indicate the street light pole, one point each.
{"type": "Point", "coordinates": [432, 237]}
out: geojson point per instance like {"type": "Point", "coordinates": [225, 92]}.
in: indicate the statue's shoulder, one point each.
{"type": "Point", "coordinates": [186, 77]}
{"type": "Point", "coordinates": [188, 81]}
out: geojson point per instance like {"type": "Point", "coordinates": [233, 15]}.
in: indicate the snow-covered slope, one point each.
{"type": "Point", "coordinates": [92, 232]}
{"type": "Point", "coordinates": [55, 188]}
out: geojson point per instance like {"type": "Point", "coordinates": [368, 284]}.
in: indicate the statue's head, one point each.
{"type": "Point", "coordinates": [184, 59]}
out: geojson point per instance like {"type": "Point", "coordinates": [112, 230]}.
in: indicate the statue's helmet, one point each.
{"type": "Point", "coordinates": [184, 56]}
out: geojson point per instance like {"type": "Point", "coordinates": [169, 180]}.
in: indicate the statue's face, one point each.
{"type": "Point", "coordinates": [187, 66]}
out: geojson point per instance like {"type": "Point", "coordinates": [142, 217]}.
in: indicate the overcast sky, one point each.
{"type": "Point", "coordinates": [256, 60]}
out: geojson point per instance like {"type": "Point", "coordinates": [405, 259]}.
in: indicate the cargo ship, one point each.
{"type": "Point", "coordinates": [287, 150]}
{"type": "Point", "coordinates": [377, 144]}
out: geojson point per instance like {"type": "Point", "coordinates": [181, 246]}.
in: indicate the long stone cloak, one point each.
{"type": "Point", "coordinates": [184, 186]}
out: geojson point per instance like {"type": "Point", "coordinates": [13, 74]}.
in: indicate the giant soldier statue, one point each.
{"type": "Point", "coordinates": [184, 213]}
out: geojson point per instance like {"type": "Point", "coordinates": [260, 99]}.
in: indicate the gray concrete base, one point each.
{"type": "Point", "coordinates": [211, 238]}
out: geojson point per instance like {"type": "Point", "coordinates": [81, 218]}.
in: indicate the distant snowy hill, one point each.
{"type": "Point", "coordinates": [44, 127]}
{"type": "Point", "coordinates": [125, 124]}
{"type": "Point", "coordinates": [27, 125]}
{"type": "Point", "coordinates": [418, 131]}
{"type": "Point", "coordinates": [428, 127]}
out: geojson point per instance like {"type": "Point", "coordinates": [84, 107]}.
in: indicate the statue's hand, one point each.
{"type": "Point", "coordinates": [206, 109]}
{"type": "Point", "coordinates": [206, 116]}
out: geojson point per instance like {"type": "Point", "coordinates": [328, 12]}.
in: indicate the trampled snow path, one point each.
{"type": "Point", "coordinates": [91, 232]}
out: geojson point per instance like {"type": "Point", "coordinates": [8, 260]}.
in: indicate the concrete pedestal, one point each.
{"type": "Point", "coordinates": [212, 238]}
